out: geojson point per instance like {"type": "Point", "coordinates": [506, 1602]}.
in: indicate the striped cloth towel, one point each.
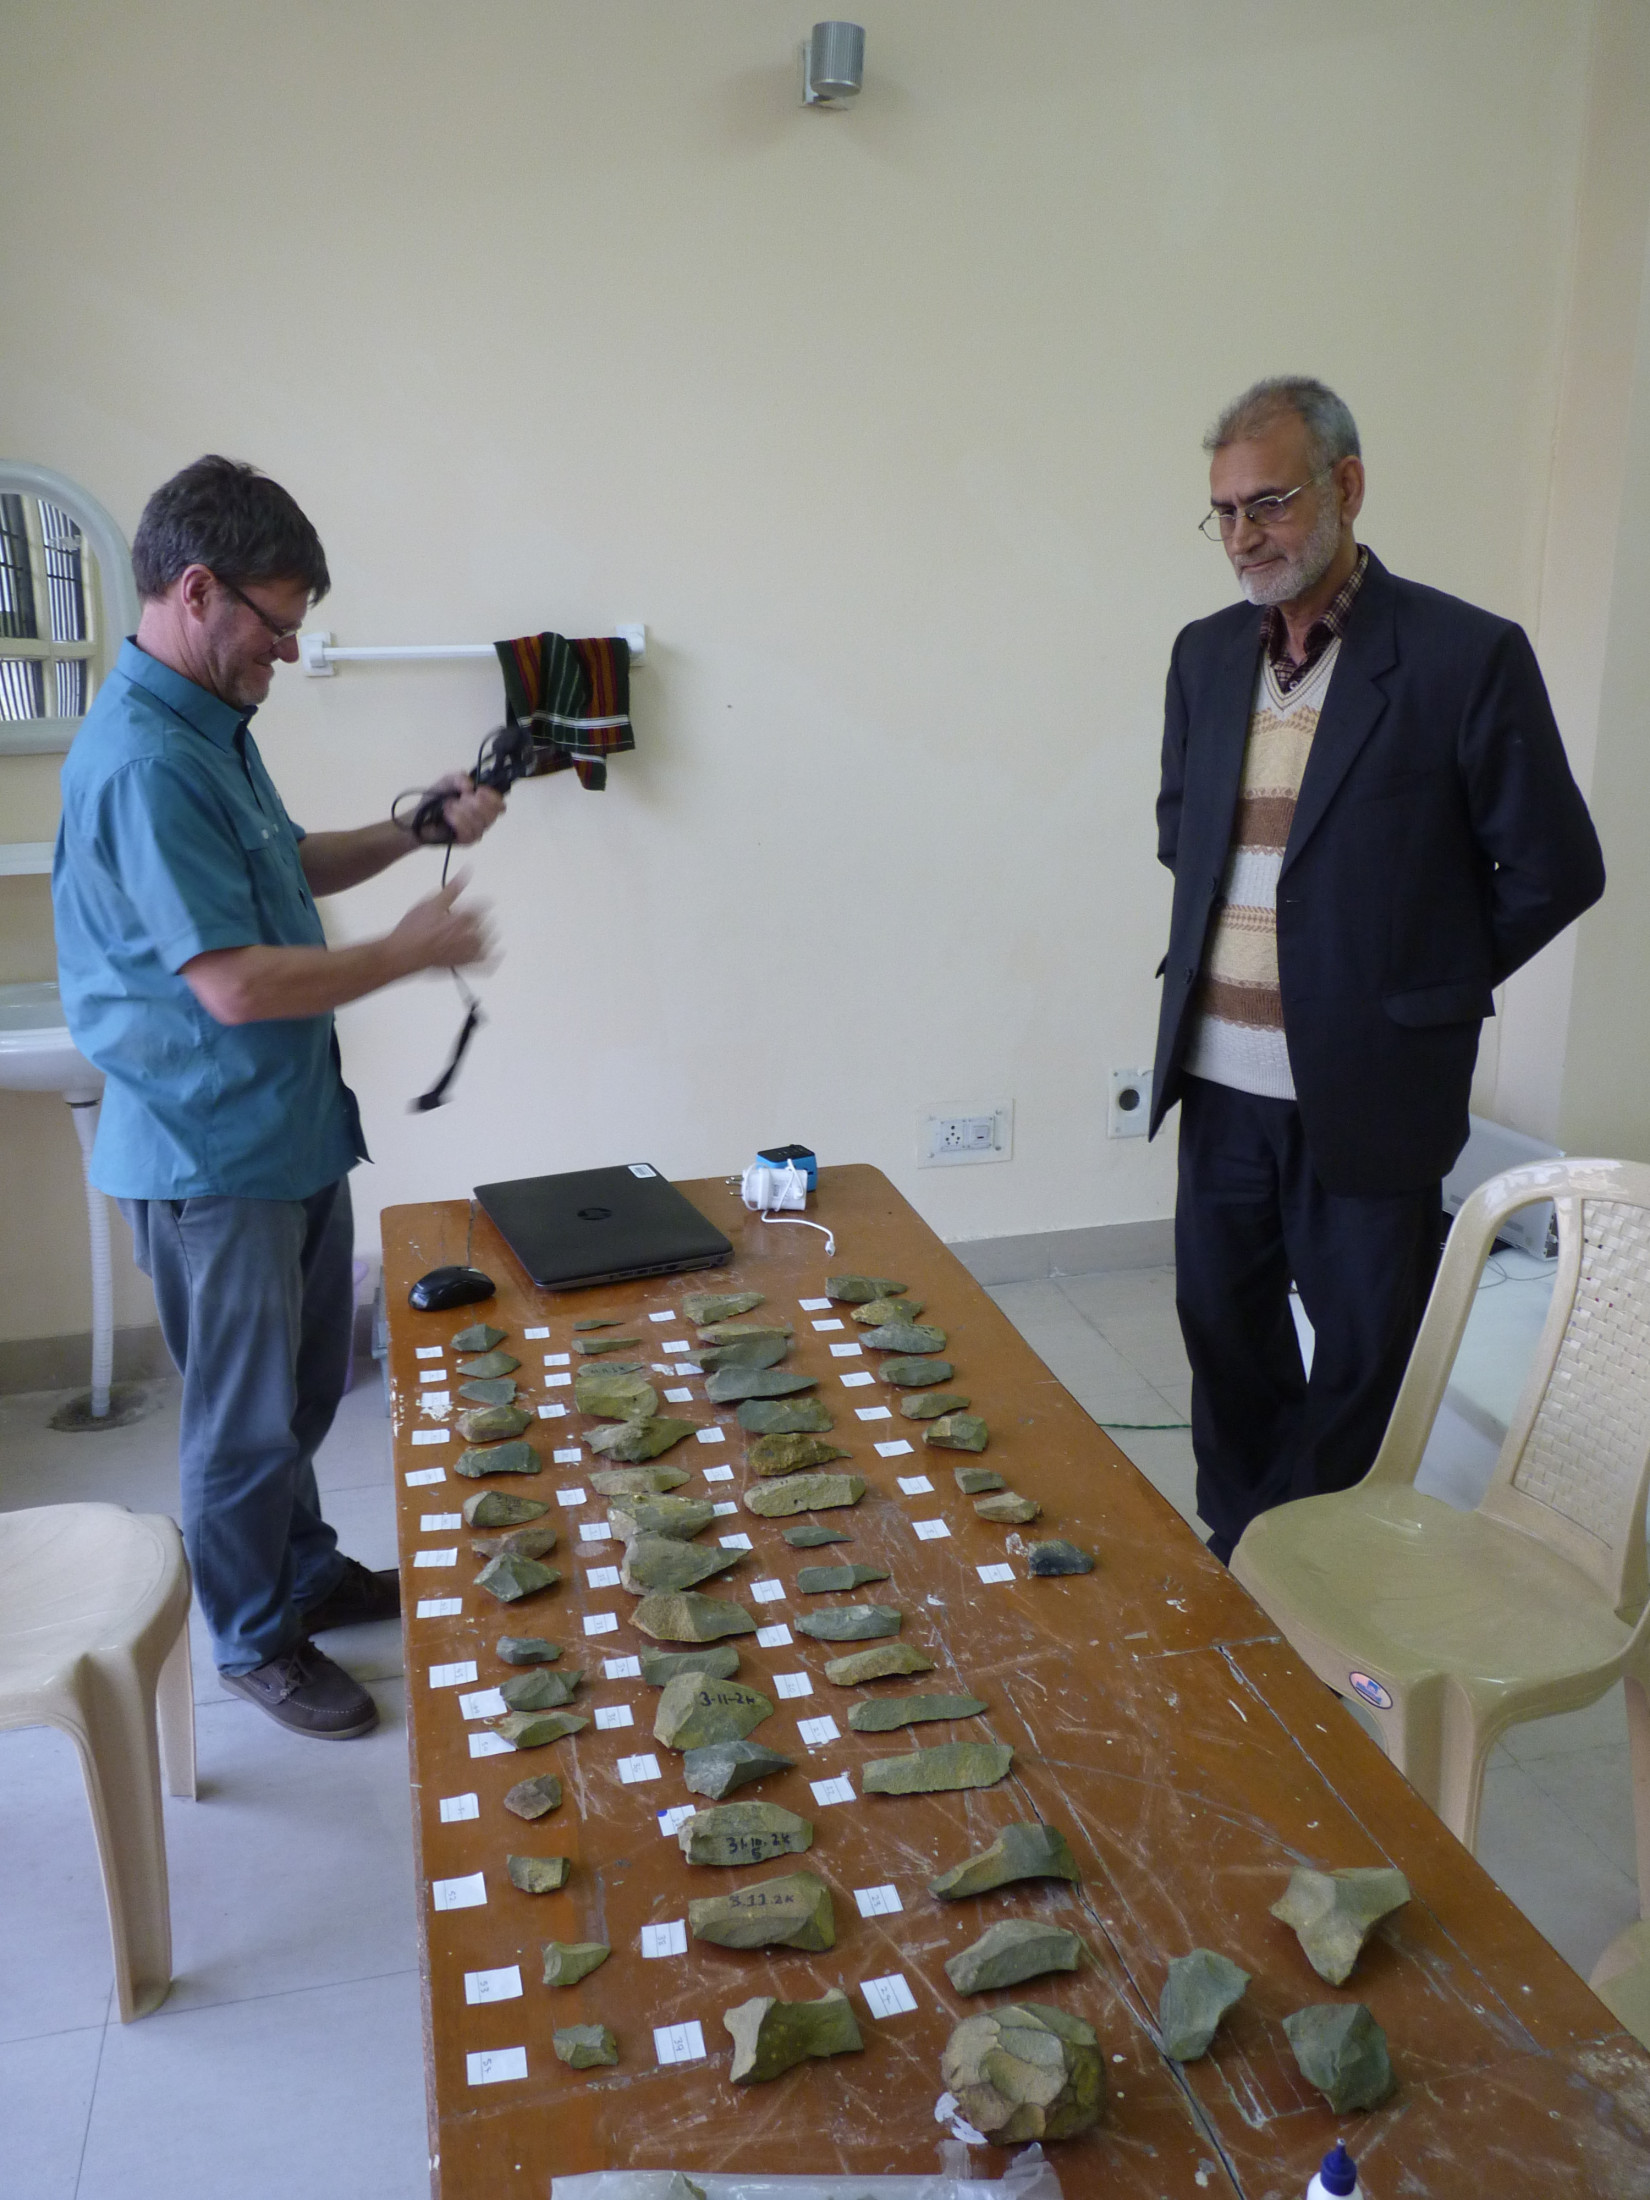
{"type": "Point", "coordinates": [574, 697]}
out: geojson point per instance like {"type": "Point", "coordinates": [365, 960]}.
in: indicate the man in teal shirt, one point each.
{"type": "Point", "coordinates": [196, 975]}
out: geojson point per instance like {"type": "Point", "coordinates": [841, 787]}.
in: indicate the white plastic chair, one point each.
{"type": "Point", "coordinates": [94, 1640]}
{"type": "Point", "coordinates": [1450, 1627]}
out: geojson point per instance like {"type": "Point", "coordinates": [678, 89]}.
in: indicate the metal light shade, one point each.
{"type": "Point", "coordinates": [836, 60]}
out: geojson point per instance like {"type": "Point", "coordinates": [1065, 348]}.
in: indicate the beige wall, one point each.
{"type": "Point", "coordinates": [885, 421]}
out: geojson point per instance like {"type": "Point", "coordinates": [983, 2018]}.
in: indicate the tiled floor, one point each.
{"type": "Point", "coordinates": [287, 2058]}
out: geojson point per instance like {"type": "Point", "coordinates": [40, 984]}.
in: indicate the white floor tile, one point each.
{"type": "Point", "coordinates": [56, 1967]}
{"type": "Point", "coordinates": [1559, 1877]}
{"type": "Point", "coordinates": [1097, 1375]}
{"type": "Point", "coordinates": [45, 2106]}
{"type": "Point", "coordinates": [1164, 1457]}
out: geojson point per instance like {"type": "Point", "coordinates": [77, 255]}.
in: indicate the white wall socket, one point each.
{"type": "Point", "coordinates": [949, 1138]}
{"type": "Point", "coordinates": [1129, 1108]}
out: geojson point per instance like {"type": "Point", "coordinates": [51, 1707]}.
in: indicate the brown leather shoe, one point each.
{"type": "Point", "coordinates": [304, 1691]}
{"type": "Point", "coordinates": [355, 1598]}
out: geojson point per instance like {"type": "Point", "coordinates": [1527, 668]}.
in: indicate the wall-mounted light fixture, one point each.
{"type": "Point", "coordinates": [833, 64]}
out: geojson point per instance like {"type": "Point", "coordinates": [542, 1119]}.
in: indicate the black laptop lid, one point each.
{"type": "Point", "coordinates": [601, 1225]}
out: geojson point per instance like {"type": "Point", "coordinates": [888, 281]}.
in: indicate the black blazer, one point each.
{"type": "Point", "coordinates": [1439, 840]}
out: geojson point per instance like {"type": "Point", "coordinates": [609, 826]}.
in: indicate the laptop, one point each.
{"type": "Point", "coordinates": [595, 1226]}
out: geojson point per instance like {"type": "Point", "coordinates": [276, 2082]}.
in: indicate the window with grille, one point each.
{"type": "Point", "coordinates": [49, 612]}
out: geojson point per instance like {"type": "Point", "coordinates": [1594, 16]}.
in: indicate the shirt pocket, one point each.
{"type": "Point", "coordinates": [280, 894]}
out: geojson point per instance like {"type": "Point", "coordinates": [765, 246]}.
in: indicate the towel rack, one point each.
{"type": "Point", "coordinates": [320, 656]}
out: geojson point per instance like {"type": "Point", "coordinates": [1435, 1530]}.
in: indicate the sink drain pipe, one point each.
{"type": "Point", "coordinates": [103, 1294]}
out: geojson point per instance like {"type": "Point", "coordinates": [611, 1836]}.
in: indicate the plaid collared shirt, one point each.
{"type": "Point", "coordinates": [1275, 635]}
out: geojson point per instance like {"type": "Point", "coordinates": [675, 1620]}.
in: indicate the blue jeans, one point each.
{"type": "Point", "coordinates": [257, 1302]}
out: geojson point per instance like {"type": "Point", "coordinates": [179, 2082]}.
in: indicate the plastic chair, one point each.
{"type": "Point", "coordinates": [1449, 1627]}
{"type": "Point", "coordinates": [94, 1639]}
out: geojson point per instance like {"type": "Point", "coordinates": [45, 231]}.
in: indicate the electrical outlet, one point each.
{"type": "Point", "coordinates": [1130, 1106]}
{"type": "Point", "coordinates": [948, 1137]}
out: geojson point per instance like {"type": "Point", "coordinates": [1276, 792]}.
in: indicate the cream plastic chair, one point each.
{"type": "Point", "coordinates": [94, 1639]}
{"type": "Point", "coordinates": [1452, 1626]}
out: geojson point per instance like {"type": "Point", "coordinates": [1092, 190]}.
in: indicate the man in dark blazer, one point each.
{"type": "Point", "coordinates": [1371, 822]}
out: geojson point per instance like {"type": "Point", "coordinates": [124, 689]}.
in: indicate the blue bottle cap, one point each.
{"type": "Point", "coordinates": [1339, 2173]}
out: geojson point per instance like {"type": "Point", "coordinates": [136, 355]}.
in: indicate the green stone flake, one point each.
{"type": "Point", "coordinates": [860, 1290]}
{"type": "Point", "coordinates": [606, 1395]}
{"type": "Point", "coordinates": [690, 1618]}
{"type": "Point", "coordinates": [795, 1493]}
{"type": "Point", "coordinates": [1343, 2052]}
{"type": "Point", "coordinates": [875, 1312]}
{"type": "Point", "coordinates": [1201, 1988]}
{"type": "Point", "coordinates": [790, 1454]}
{"type": "Point", "coordinates": [681, 1518]}
{"type": "Point", "coordinates": [1008, 1509]}
{"type": "Point", "coordinates": [696, 1711]}
{"type": "Point", "coordinates": [881, 1714]}
{"type": "Point", "coordinates": [485, 1424]}
{"type": "Point", "coordinates": [592, 1348]}
{"type": "Point", "coordinates": [584, 2046]}
{"type": "Point", "coordinates": [1011, 1951]}
{"type": "Point", "coordinates": [752, 1352]}
{"type": "Point", "coordinates": [771, 2037]}
{"type": "Point", "coordinates": [501, 1509]}
{"type": "Point", "coordinates": [1025, 2070]}
{"type": "Point", "coordinates": [655, 1563]}
{"type": "Point", "coordinates": [957, 1432]}
{"type": "Point", "coordinates": [527, 1650]}
{"type": "Point", "coordinates": [904, 1337]}
{"type": "Point", "coordinates": [509, 1577]}
{"type": "Point", "coordinates": [534, 1729]}
{"type": "Point", "coordinates": [731, 1384]}
{"type": "Point", "coordinates": [1028, 1850]}
{"type": "Point", "coordinates": [703, 1308]}
{"type": "Point", "coordinates": [1057, 1557]}
{"type": "Point", "coordinates": [537, 1874]}
{"type": "Point", "coordinates": [975, 1481]}
{"type": "Point", "coordinates": [607, 1321]}
{"type": "Point", "coordinates": [738, 1332]}
{"type": "Point", "coordinates": [932, 1405]}
{"type": "Point", "coordinates": [513, 1458]}
{"type": "Point", "coordinates": [515, 1543]}
{"type": "Point", "coordinates": [718, 1661]}
{"type": "Point", "coordinates": [812, 1534]}
{"type": "Point", "coordinates": [850, 1623]}
{"type": "Point", "coordinates": [1333, 1913]}
{"type": "Point", "coordinates": [567, 1961]}
{"type": "Point", "coordinates": [785, 1416]}
{"type": "Point", "coordinates": [743, 1833]}
{"type": "Point", "coordinates": [498, 1392]}
{"type": "Point", "coordinates": [632, 1441]}
{"type": "Point", "coordinates": [723, 1766]}
{"type": "Point", "coordinates": [915, 1374]}
{"type": "Point", "coordinates": [490, 1363]}
{"type": "Point", "coordinates": [888, 1661]}
{"type": "Point", "coordinates": [540, 1689]}
{"type": "Point", "coordinates": [819, 1581]}
{"type": "Point", "coordinates": [936, 1771]}
{"type": "Point", "coordinates": [637, 1481]}
{"type": "Point", "coordinates": [790, 1912]}
{"type": "Point", "coordinates": [479, 1338]}
{"type": "Point", "coordinates": [534, 1798]}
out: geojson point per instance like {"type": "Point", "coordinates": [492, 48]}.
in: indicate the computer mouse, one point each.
{"type": "Point", "coordinates": [444, 1287]}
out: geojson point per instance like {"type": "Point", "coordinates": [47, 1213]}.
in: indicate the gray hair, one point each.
{"type": "Point", "coordinates": [1328, 422]}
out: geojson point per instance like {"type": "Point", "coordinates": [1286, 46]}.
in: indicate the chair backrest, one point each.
{"type": "Point", "coordinates": [1575, 1464]}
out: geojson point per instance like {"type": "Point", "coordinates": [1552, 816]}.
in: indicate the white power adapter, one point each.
{"type": "Point", "coordinates": [774, 1193]}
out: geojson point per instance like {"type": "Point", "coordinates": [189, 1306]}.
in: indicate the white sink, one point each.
{"type": "Point", "coordinates": [36, 1052]}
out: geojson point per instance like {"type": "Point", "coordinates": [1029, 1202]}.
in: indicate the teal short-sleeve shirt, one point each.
{"type": "Point", "coordinates": [173, 843]}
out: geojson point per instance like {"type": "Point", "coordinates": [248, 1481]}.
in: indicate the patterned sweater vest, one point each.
{"type": "Point", "coordinates": [1238, 1038]}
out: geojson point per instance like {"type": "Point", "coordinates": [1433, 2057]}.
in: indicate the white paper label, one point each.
{"type": "Point", "coordinates": [930, 1531]}
{"type": "Point", "coordinates": [666, 1316]}
{"type": "Point", "coordinates": [558, 1359]}
{"type": "Point", "coordinates": [661, 1367]}
{"type": "Point", "coordinates": [878, 1901]}
{"type": "Point", "coordinates": [895, 1448]}
{"type": "Point", "coordinates": [847, 1352]}
{"type": "Point", "coordinates": [839, 1790]}
{"type": "Point", "coordinates": [603, 1577]}
{"type": "Point", "coordinates": [687, 1367]}
{"type": "Point", "coordinates": [568, 1456]}
{"type": "Point", "coordinates": [434, 1523]}
{"type": "Point", "coordinates": [873, 1413]}
{"type": "Point", "coordinates": [734, 1542]}
{"type": "Point", "coordinates": [711, 1435]}
{"type": "Point", "coordinates": [436, 1404]}
{"type": "Point", "coordinates": [601, 1623]}
{"type": "Point", "coordinates": [469, 1893]}
{"type": "Point", "coordinates": [567, 1499]}
{"type": "Point", "coordinates": [432, 1374]}
{"type": "Point", "coordinates": [792, 1684]}
{"type": "Point", "coordinates": [428, 1351]}
{"type": "Point", "coordinates": [679, 2043]}
{"type": "Point", "coordinates": [664, 1940]}
{"type": "Point", "coordinates": [502, 1985]}
{"type": "Point", "coordinates": [672, 1821]}
{"type": "Point", "coordinates": [768, 1592]}
{"type": "Point", "coordinates": [718, 1474]}
{"type": "Point", "coordinates": [429, 1436]}
{"type": "Point", "coordinates": [486, 1703]}
{"type": "Point", "coordinates": [622, 1669]}
{"type": "Point", "coordinates": [774, 1637]}
{"type": "Point", "coordinates": [823, 1326]}
{"type": "Point", "coordinates": [610, 1715]}
{"type": "Point", "coordinates": [633, 1770]}
{"type": "Point", "coordinates": [421, 1478]}
{"type": "Point", "coordinates": [817, 1732]}
{"type": "Point", "coordinates": [438, 1607]}
{"type": "Point", "coordinates": [493, 2065]}
{"type": "Point", "coordinates": [675, 1344]}
{"type": "Point", "coordinates": [490, 1745]}
{"type": "Point", "coordinates": [531, 1335]}
{"type": "Point", "coordinates": [723, 1507]}
{"type": "Point", "coordinates": [595, 1531]}
{"type": "Point", "coordinates": [914, 1485]}
{"type": "Point", "coordinates": [679, 1397]}
{"type": "Point", "coordinates": [557, 1382]}
{"type": "Point", "coordinates": [813, 1306]}
{"type": "Point", "coordinates": [857, 1382]}
{"type": "Point", "coordinates": [458, 1675]}
{"type": "Point", "coordinates": [455, 1808]}
{"type": "Point", "coordinates": [995, 1573]}
{"type": "Point", "coordinates": [888, 1997]}
{"type": "Point", "coordinates": [435, 1558]}
{"type": "Point", "coordinates": [552, 1413]}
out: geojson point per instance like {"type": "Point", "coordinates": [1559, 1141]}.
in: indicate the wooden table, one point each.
{"type": "Point", "coordinates": [1156, 1718]}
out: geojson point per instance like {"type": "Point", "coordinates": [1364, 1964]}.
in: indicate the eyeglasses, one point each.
{"type": "Point", "coordinates": [1220, 519]}
{"type": "Point", "coordinates": [281, 633]}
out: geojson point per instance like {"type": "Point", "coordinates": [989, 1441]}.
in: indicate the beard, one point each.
{"type": "Point", "coordinates": [1283, 583]}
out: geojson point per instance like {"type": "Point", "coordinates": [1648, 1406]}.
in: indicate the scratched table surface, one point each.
{"type": "Point", "coordinates": [1155, 1716]}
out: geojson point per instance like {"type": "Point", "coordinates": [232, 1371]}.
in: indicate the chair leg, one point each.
{"type": "Point", "coordinates": [175, 1715]}
{"type": "Point", "coordinates": [1638, 1752]}
{"type": "Point", "coordinates": [121, 1763]}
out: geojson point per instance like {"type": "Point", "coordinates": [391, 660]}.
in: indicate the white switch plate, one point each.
{"type": "Point", "coordinates": [1129, 1107]}
{"type": "Point", "coordinates": [951, 1137]}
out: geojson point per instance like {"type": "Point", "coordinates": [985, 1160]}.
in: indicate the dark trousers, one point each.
{"type": "Point", "coordinates": [1250, 1218]}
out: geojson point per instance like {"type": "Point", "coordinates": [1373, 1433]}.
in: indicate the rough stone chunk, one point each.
{"type": "Point", "coordinates": [599, 1321]}
{"type": "Point", "coordinates": [791, 1454]}
{"type": "Point", "coordinates": [509, 1578]}
{"type": "Point", "coordinates": [527, 1650]}
{"type": "Point", "coordinates": [785, 1416]}
{"type": "Point", "coordinates": [904, 1337]}
{"type": "Point", "coordinates": [1025, 2071]}
{"type": "Point", "coordinates": [497, 1392]}
{"type": "Point", "coordinates": [489, 1363]}
{"type": "Point", "coordinates": [860, 1290]}
{"type": "Point", "coordinates": [1013, 1949]}
{"type": "Point", "coordinates": [932, 1405]}
{"type": "Point", "coordinates": [724, 1766]}
{"type": "Point", "coordinates": [790, 1912]}
{"type": "Point", "coordinates": [934, 1771]}
{"type": "Point", "coordinates": [691, 1618]}
{"type": "Point", "coordinates": [731, 1383]}
{"type": "Point", "coordinates": [637, 1481]}
{"type": "Point", "coordinates": [592, 1348]}
{"type": "Point", "coordinates": [606, 1395]}
{"type": "Point", "coordinates": [516, 1458]}
{"type": "Point", "coordinates": [705, 1307]}
{"type": "Point", "coordinates": [501, 1508]}
{"type": "Point", "coordinates": [538, 1874]}
{"type": "Point", "coordinates": [679, 1518]}
{"type": "Point", "coordinates": [584, 2046]}
{"type": "Point", "coordinates": [850, 1623]}
{"type": "Point", "coordinates": [753, 1352]}
{"type": "Point", "coordinates": [695, 1711]}
{"type": "Point", "coordinates": [480, 1337]}
{"type": "Point", "coordinates": [719, 1662]}
{"type": "Point", "coordinates": [1057, 1556]}
{"type": "Point", "coordinates": [881, 1714]}
{"type": "Point", "coordinates": [517, 1542]}
{"type": "Point", "coordinates": [975, 1481]}
{"type": "Point", "coordinates": [812, 1534]}
{"type": "Point", "coordinates": [1008, 1508]}
{"type": "Point", "coordinates": [819, 1581]}
{"type": "Point", "coordinates": [534, 1798]}
{"type": "Point", "coordinates": [771, 2037]}
{"type": "Point", "coordinates": [533, 1729]}
{"type": "Point", "coordinates": [1201, 1988]}
{"type": "Point", "coordinates": [875, 1312]}
{"type": "Point", "coordinates": [1342, 2051]}
{"type": "Point", "coordinates": [916, 1374]}
{"type": "Point", "coordinates": [743, 1833]}
{"type": "Point", "coordinates": [888, 1660]}
{"type": "Point", "coordinates": [804, 1493]}
{"type": "Point", "coordinates": [540, 1689]}
{"type": "Point", "coordinates": [567, 1961]}
{"type": "Point", "coordinates": [663, 1562]}
{"type": "Point", "coordinates": [1333, 1913]}
{"type": "Point", "coordinates": [612, 1370]}
{"type": "Point", "coordinates": [738, 1332]}
{"type": "Point", "coordinates": [634, 1440]}
{"type": "Point", "coordinates": [1022, 1851]}
{"type": "Point", "coordinates": [957, 1432]}
{"type": "Point", "coordinates": [484, 1424]}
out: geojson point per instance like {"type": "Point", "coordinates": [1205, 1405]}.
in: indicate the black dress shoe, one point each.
{"type": "Point", "coordinates": [355, 1598]}
{"type": "Point", "coordinates": [305, 1692]}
